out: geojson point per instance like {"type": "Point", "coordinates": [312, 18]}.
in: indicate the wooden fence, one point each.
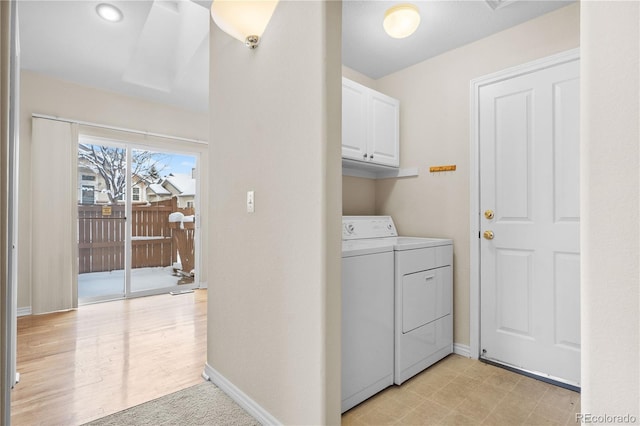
{"type": "Point", "coordinates": [101, 238]}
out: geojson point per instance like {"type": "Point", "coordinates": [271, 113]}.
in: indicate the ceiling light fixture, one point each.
{"type": "Point", "coordinates": [243, 20]}
{"type": "Point", "coordinates": [109, 12]}
{"type": "Point", "coordinates": [401, 20]}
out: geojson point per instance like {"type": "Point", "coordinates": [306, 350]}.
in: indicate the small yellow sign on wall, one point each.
{"type": "Point", "coordinates": [436, 169]}
{"type": "Point", "coordinates": [106, 210]}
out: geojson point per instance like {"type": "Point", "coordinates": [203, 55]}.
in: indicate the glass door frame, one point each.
{"type": "Point", "coordinates": [129, 293]}
{"type": "Point", "coordinates": [129, 147]}
{"type": "Point", "coordinates": [92, 140]}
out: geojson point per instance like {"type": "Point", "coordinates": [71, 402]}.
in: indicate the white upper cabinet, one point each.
{"type": "Point", "coordinates": [370, 125]}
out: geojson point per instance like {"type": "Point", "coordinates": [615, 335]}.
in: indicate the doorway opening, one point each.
{"type": "Point", "coordinates": [137, 232]}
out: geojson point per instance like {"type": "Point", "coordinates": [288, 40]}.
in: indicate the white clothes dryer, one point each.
{"type": "Point", "coordinates": [423, 292]}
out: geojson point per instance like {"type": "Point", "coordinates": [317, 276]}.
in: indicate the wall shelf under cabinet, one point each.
{"type": "Point", "coordinates": [375, 172]}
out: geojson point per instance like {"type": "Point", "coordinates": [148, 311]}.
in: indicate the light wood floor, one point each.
{"type": "Point", "coordinates": [81, 365]}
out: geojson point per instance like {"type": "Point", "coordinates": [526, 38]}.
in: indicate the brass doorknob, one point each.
{"type": "Point", "coordinates": [488, 214]}
{"type": "Point", "coordinates": [488, 235]}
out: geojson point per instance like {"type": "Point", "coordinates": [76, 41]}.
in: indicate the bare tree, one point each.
{"type": "Point", "coordinates": [111, 164]}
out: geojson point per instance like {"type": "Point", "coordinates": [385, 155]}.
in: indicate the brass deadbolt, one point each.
{"type": "Point", "coordinates": [488, 214]}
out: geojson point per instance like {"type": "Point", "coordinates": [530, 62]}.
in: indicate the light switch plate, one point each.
{"type": "Point", "coordinates": [251, 206]}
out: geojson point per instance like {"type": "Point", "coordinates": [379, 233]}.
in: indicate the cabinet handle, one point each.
{"type": "Point", "coordinates": [430, 277]}
{"type": "Point", "coordinates": [371, 156]}
{"type": "Point", "coordinates": [365, 156]}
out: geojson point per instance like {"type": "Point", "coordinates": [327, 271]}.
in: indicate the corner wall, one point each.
{"type": "Point", "coordinates": [5, 67]}
{"type": "Point", "coordinates": [434, 130]}
{"type": "Point", "coordinates": [274, 284]}
{"type": "Point", "coordinates": [610, 197]}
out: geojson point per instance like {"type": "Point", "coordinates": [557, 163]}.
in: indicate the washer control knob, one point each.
{"type": "Point", "coordinates": [349, 228]}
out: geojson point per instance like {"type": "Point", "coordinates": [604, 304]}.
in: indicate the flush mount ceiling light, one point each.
{"type": "Point", "coordinates": [401, 20]}
{"type": "Point", "coordinates": [109, 12]}
{"type": "Point", "coordinates": [243, 20]}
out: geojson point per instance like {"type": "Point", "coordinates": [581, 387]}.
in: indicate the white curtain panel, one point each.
{"type": "Point", "coordinates": [53, 213]}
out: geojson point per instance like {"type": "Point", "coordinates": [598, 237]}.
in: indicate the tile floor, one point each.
{"type": "Point", "coordinates": [462, 391]}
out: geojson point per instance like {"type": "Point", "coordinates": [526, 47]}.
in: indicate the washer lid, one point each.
{"type": "Point", "coordinates": [412, 243]}
{"type": "Point", "coordinates": [359, 227]}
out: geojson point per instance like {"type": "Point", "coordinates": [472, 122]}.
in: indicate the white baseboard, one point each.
{"type": "Point", "coordinates": [24, 311]}
{"type": "Point", "coordinates": [462, 350]}
{"type": "Point", "coordinates": [252, 407]}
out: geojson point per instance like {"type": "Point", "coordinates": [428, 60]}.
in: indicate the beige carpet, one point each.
{"type": "Point", "coordinates": [202, 404]}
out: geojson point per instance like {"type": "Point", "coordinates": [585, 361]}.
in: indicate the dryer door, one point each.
{"type": "Point", "coordinates": [426, 297]}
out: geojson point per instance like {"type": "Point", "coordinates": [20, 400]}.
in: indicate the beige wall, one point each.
{"type": "Point", "coordinates": [610, 234]}
{"type": "Point", "coordinates": [358, 196]}
{"type": "Point", "coordinates": [274, 287]}
{"type": "Point", "coordinates": [44, 95]}
{"type": "Point", "coordinates": [434, 130]}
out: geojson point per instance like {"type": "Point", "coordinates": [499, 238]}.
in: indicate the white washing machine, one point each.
{"type": "Point", "coordinates": [367, 319]}
{"type": "Point", "coordinates": [423, 292]}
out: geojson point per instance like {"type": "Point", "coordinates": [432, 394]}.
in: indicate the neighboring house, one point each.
{"type": "Point", "coordinates": [92, 188]}
{"type": "Point", "coordinates": [157, 192]}
{"type": "Point", "coordinates": [181, 186]}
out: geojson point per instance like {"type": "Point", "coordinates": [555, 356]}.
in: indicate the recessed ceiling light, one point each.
{"type": "Point", "coordinates": [401, 20]}
{"type": "Point", "coordinates": [109, 12]}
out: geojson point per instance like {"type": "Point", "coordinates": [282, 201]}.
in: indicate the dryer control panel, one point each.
{"type": "Point", "coordinates": [362, 227]}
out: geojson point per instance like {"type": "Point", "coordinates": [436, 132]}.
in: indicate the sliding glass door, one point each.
{"type": "Point", "coordinates": [136, 221]}
{"type": "Point", "coordinates": [101, 221]}
{"type": "Point", "coordinates": [163, 197]}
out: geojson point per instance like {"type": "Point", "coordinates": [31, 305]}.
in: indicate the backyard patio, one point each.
{"type": "Point", "coordinates": [162, 248]}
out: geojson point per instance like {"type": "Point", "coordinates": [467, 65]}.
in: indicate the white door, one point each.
{"type": "Point", "coordinates": [529, 179]}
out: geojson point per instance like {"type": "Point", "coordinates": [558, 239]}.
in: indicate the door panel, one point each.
{"type": "Point", "coordinates": [513, 291]}
{"type": "Point", "coordinates": [566, 142]}
{"type": "Point", "coordinates": [529, 177]}
{"type": "Point", "coordinates": [162, 250]}
{"type": "Point", "coordinates": [101, 222]}
{"type": "Point", "coordinates": [513, 141]}
{"type": "Point", "coordinates": [566, 286]}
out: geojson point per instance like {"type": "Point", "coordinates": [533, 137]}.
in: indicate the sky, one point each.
{"type": "Point", "coordinates": [166, 162]}
{"type": "Point", "coordinates": [174, 163]}
{"type": "Point", "coordinates": [178, 163]}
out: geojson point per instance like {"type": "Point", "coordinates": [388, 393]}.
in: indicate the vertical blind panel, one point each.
{"type": "Point", "coordinates": [54, 282]}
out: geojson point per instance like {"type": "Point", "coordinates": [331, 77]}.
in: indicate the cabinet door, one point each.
{"type": "Point", "coordinates": [384, 130]}
{"type": "Point", "coordinates": [354, 120]}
